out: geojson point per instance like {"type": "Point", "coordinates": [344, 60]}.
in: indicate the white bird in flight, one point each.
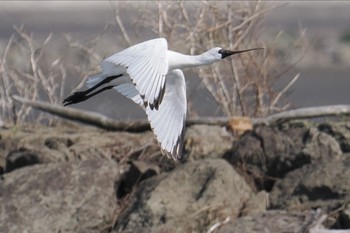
{"type": "Point", "coordinates": [149, 74]}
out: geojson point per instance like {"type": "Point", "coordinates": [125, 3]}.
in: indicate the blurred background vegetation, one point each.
{"type": "Point", "coordinates": [48, 50]}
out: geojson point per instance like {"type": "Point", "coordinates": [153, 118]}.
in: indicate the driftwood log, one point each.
{"type": "Point", "coordinates": [142, 125]}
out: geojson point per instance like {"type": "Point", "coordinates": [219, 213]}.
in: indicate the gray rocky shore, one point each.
{"type": "Point", "coordinates": [281, 178]}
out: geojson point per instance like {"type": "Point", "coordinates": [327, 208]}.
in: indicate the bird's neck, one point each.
{"type": "Point", "coordinates": [181, 61]}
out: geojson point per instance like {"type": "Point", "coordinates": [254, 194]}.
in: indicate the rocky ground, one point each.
{"type": "Point", "coordinates": [292, 177]}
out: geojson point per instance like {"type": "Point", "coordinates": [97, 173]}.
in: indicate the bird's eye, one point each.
{"type": "Point", "coordinates": [220, 51]}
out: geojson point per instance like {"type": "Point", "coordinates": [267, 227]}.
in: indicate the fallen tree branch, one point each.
{"type": "Point", "coordinates": [85, 117]}
{"type": "Point", "coordinates": [278, 118]}
{"type": "Point", "coordinates": [142, 125]}
{"type": "Point", "coordinates": [305, 113]}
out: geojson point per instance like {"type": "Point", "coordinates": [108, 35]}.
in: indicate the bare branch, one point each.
{"type": "Point", "coordinates": [84, 117]}
{"type": "Point", "coordinates": [122, 28]}
{"type": "Point", "coordinates": [305, 113]}
{"type": "Point", "coordinates": [285, 89]}
{"type": "Point", "coordinates": [5, 89]}
{"type": "Point", "coordinates": [139, 126]}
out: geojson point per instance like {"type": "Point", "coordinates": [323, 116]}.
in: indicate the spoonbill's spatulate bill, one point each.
{"type": "Point", "coordinates": [149, 74]}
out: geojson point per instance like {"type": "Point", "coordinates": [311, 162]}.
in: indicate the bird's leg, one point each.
{"type": "Point", "coordinates": [80, 96]}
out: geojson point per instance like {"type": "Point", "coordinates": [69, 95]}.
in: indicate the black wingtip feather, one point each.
{"type": "Point", "coordinates": [74, 98]}
{"type": "Point", "coordinates": [145, 103]}
{"type": "Point", "coordinates": [177, 151]}
{"type": "Point", "coordinates": [159, 100]}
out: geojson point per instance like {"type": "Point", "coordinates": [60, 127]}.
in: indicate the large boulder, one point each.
{"type": "Point", "coordinates": [188, 199]}
{"type": "Point", "coordinates": [58, 197]}
{"type": "Point", "coordinates": [269, 153]}
{"type": "Point", "coordinates": [54, 145]}
{"type": "Point", "coordinates": [204, 141]}
{"type": "Point", "coordinates": [20, 158]}
{"type": "Point", "coordinates": [23, 147]}
{"type": "Point", "coordinates": [340, 131]}
{"type": "Point", "coordinates": [320, 146]}
{"type": "Point", "coordinates": [323, 185]}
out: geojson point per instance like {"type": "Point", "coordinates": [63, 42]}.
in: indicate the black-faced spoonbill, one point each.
{"type": "Point", "coordinates": [149, 74]}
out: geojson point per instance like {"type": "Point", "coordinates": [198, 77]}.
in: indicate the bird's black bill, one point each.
{"type": "Point", "coordinates": [81, 96]}
{"type": "Point", "coordinates": [227, 53]}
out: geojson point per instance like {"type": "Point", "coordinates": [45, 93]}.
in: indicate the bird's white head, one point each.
{"type": "Point", "coordinates": [217, 53]}
{"type": "Point", "coordinates": [214, 54]}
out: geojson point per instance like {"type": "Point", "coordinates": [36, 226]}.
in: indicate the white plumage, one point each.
{"type": "Point", "coordinates": [149, 74]}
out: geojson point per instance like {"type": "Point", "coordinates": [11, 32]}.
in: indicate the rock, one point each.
{"type": "Point", "coordinates": [58, 197]}
{"type": "Point", "coordinates": [56, 143]}
{"type": "Point", "coordinates": [259, 203]}
{"type": "Point", "coordinates": [7, 144]}
{"type": "Point", "coordinates": [74, 185]}
{"type": "Point", "coordinates": [272, 221]}
{"type": "Point", "coordinates": [20, 158]}
{"type": "Point", "coordinates": [344, 218]}
{"type": "Point", "coordinates": [340, 131]}
{"type": "Point", "coordinates": [203, 141]}
{"type": "Point", "coordinates": [323, 185]}
{"type": "Point", "coordinates": [136, 172]}
{"type": "Point", "coordinates": [188, 199]}
{"type": "Point", "coordinates": [269, 152]}
{"type": "Point", "coordinates": [51, 145]}
{"type": "Point", "coordinates": [320, 146]}
{"type": "Point", "coordinates": [59, 146]}
{"type": "Point", "coordinates": [79, 143]}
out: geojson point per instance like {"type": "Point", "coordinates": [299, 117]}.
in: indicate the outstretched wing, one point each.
{"type": "Point", "coordinates": [168, 121]}
{"type": "Point", "coordinates": [147, 64]}
{"type": "Point", "coordinates": [129, 90]}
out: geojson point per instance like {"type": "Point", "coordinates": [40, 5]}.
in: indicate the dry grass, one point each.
{"type": "Point", "coordinates": [27, 73]}
{"type": "Point", "coordinates": [28, 70]}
